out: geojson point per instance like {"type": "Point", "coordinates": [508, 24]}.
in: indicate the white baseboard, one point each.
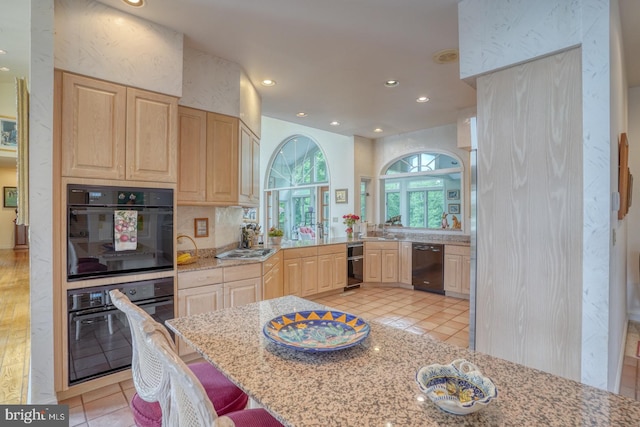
{"type": "Point", "coordinates": [635, 316]}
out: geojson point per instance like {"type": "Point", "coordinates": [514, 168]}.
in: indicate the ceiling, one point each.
{"type": "Point", "coordinates": [329, 58]}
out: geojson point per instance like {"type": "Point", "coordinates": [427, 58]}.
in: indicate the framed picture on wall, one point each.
{"type": "Point", "coordinates": [453, 194]}
{"type": "Point", "coordinates": [201, 227]}
{"type": "Point", "coordinates": [454, 208]}
{"type": "Point", "coordinates": [10, 197]}
{"type": "Point", "coordinates": [623, 175]}
{"type": "Point", "coordinates": [341, 195]}
{"type": "Point", "coordinates": [8, 133]}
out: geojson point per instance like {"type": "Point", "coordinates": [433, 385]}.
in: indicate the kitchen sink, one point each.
{"type": "Point", "coordinates": [245, 254]}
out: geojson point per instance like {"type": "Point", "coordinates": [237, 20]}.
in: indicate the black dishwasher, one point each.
{"type": "Point", "coordinates": [427, 268]}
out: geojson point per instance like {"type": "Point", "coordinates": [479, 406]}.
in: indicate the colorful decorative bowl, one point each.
{"type": "Point", "coordinates": [316, 330]}
{"type": "Point", "coordinates": [458, 388]}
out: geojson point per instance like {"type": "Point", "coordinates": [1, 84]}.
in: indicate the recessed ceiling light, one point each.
{"type": "Point", "coordinates": [268, 82]}
{"type": "Point", "coordinates": [301, 114]}
{"type": "Point", "coordinates": [391, 83]}
{"type": "Point", "coordinates": [377, 130]}
{"type": "Point", "coordinates": [4, 69]}
{"type": "Point", "coordinates": [2, 52]}
{"type": "Point", "coordinates": [423, 99]}
{"type": "Point", "coordinates": [335, 123]}
{"type": "Point", "coordinates": [134, 3]}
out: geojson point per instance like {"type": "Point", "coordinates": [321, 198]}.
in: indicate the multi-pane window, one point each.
{"type": "Point", "coordinates": [415, 188]}
{"type": "Point", "coordinates": [298, 172]}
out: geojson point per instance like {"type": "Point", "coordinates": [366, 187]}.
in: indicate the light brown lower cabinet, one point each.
{"type": "Point", "coordinates": [381, 262]}
{"type": "Point", "coordinates": [300, 267]}
{"type": "Point", "coordinates": [457, 263]}
{"type": "Point", "coordinates": [405, 264]}
{"type": "Point", "coordinates": [212, 289]}
{"type": "Point", "coordinates": [272, 280]}
{"type": "Point", "coordinates": [332, 267]}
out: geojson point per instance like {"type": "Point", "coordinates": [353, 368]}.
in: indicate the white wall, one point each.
{"type": "Point", "coordinates": [633, 218]}
{"type": "Point", "coordinates": [8, 99]}
{"type": "Point", "coordinates": [440, 139]}
{"type": "Point", "coordinates": [339, 154]}
{"type": "Point", "coordinates": [210, 83]}
{"type": "Point", "coordinates": [99, 41]}
{"type": "Point", "coordinates": [499, 33]}
{"type": "Point", "coordinates": [220, 86]}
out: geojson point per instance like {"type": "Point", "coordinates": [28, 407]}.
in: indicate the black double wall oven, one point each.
{"type": "Point", "coordinates": [114, 232]}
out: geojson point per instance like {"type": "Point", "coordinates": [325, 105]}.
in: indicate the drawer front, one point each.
{"type": "Point", "coordinates": [457, 250]}
{"type": "Point", "coordinates": [241, 272]}
{"type": "Point", "coordinates": [271, 261]}
{"type": "Point", "coordinates": [332, 249]}
{"type": "Point", "coordinates": [193, 279]}
{"type": "Point", "coordinates": [380, 245]}
{"type": "Point", "coordinates": [300, 252]}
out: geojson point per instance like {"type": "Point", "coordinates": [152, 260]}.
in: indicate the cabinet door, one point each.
{"type": "Point", "coordinates": [152, 136]}
{"type": "Point", "coordinates": [192, 154]}
{"type": "Point", "coordinates": [452, 269]}
{"type": "Point", "coordinates": [404, 273]}
{"type": "Point", "coordinates": [246, 166]}
{"type": "Point", "coordinates": [309, 275]}
{"type": "Point", "coordinates": [93, 128]}
{"type": "Point", "coordinates": [242, 292]}
{"type": "Point", "coordinates": [222, 158]}
{"type": "Point", "coordinates": [389, 266]}
{"type": "Point", "coordinates": [255, 170]}
{"type": "Point", "coordinates": [272, 283]}
{"type": "Point", "coordinates": [373, 266]}
{"type": "Point", "coordinates": [339, 271]}
{"type": "Point", "coordinates": [198, 300]}
{"type": "Point", "coordinates": [326, 270]}
{"type": "Point", "coordinates": [465, 286]}
{"type": "Point", "coordinates": [292, 276]}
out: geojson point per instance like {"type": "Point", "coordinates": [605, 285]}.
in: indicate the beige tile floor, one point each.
{"type": "Point", "coordinates": [444, 318]}
{"type": "Point", "coordinates": [630, 378]}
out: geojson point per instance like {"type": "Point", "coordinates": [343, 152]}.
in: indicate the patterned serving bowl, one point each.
{"type": "Point", "coordinates": [458, 388]}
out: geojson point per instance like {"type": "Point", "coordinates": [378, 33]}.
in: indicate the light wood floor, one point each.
{"type": "Point", "coordinates": [15, 344]}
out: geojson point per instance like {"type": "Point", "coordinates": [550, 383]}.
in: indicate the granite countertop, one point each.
{"type": "Point", "coordinates": [373, 383]}
{"type": "Point", "coordinates": [207, 260]}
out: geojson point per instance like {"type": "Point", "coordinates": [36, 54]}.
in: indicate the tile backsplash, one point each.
{"type": "Point", "coordinates": [224, 226]}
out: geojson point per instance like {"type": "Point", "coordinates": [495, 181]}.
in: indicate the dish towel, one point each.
{"type": "Point", "coordinates": [125, 230]}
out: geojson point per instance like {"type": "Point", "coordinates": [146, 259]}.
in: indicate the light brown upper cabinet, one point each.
{"type": "Point", "coordinates": [231, 155]}
{"type": "Point", "coordinates": [110, 131]}
{"type": "Point", "coordinates": [192, 154]}
{"type": "Point", "coordinates": [249, 167]}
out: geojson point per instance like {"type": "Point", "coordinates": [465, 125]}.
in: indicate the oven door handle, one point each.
{"type": "Point", "coordinates": [111, 309]}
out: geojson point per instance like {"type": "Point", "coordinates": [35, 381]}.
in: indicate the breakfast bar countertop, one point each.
{"type": "Point", "coordinates": [373, 383]}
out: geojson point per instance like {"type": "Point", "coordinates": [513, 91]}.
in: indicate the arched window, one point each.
{"type": "Point", "coordinates": [297, 188]}
{"type": "Point", "coordinates": [418, 188]}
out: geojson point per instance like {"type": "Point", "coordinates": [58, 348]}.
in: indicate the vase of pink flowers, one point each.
{"type": "Point", "coordinates": [349, 220]}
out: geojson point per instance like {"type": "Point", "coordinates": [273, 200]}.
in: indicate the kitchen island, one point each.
{"type": "Point", "coordinates": [373, 383]}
